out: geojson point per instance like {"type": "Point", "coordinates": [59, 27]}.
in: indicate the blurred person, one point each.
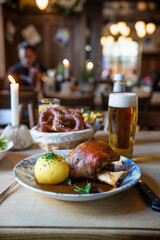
{"type": "Point", "coordinates": [152, 80]}
{"type": "Point", "coordinates": [28, 71]}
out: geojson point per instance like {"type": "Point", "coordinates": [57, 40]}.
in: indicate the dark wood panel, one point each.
{"type": "Point", "coordinates": [150, 62]}
{"type": "Point", "coordinates": [94, 19]}
{"type": "Point", "coordinates": [49, 52]}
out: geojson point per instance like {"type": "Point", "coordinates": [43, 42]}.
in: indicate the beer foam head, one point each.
{"type": "Point", "coordinates": [123, 100]}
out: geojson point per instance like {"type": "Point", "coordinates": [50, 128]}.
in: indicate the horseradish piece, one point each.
{"type": "Point", "coordinates": [51, 168]}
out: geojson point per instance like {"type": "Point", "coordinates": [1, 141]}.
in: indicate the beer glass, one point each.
{"type": "Point", "coordinates": [122, 117]}
{"type": "Point", "coordinates": [47, 102]}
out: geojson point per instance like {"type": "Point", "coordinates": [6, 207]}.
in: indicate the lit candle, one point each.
{"type": "Point", "coordinates": [14, 90]}
{"type": "Point", "coordinates": [66, 68]}
{"type": "Point", "coordinates": [89, 66]}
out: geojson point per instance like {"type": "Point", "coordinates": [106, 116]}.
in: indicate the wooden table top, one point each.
{"type": "Point", "coordinates": [25, 214]}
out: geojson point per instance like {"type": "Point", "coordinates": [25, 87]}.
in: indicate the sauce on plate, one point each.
{"type": "Point", "coordinates": [96, 186]}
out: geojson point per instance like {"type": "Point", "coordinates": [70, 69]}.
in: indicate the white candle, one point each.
{"type": "Point", "coordinates": [14, 92]}
{"type": "Point", "coordinates": [66, 68]}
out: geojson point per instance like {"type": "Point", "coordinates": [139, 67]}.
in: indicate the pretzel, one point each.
{"type": "Point", "coordinates": [46, 119]}
{"type": "Point", "coordinates": [63, 109]}
{"type": "Point", "coordinates": [75, 120]}
{"type": "Point", "coordinates": [61, 119]}
{"type": "Point", "coordinates": [67, 110]}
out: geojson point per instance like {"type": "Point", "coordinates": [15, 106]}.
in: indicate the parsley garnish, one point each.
{"type": "Point", "coordinates": [90, 111]}
{"type": "Point", "coordinates": [3, 143]}
{"type": "Point", "coordinates": [49, 155]}
{"type": "Point", "coordinates": [99, 111]}
{"type": "Point", "coordinates": [52, 156]}
{"type": "Point", "coordinates": [68, 181]}
{"type": "Point", "coordinates": [84, 190]}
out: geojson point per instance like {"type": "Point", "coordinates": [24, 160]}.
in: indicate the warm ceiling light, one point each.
{"type": "Point", "coordinates": [150, 28]}
{"type": "Point", "coordinates": [109, 40]}
{"type": "Point", "coordinates": [141, 33]}
{"type": "Point", "coordinates": [121, 39]}
{"type": "Point", "coordinates": [121, 25]}
{"type": "Point", "coordinates": [152, 6]}
{"type": "Point", "coordinates": [142, 6]}
{"type": "Point", "coordinates": [102, 40]}
{"type": "Point", "coordinates": [114, 29]}
{"type": "Point", "coordinates": [125, 31]}
{"type": "Point", "coordinates": [140, 25]}
{"type": "Point", "coordinates": [42, 4]}
{"type": "Point", "coordinates": [129, 39]}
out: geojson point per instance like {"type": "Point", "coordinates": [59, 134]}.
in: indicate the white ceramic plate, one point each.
{"type": "Point", "coordinates": [24, 174]}
{"type": "Point", "coordinates": [4, 152]}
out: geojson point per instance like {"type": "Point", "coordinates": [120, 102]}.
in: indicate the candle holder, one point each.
{"type": "Point", "coordinates": [20, 135]}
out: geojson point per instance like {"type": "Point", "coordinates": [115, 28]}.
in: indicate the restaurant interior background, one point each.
{"type": "Point", "coordinates": [104, 33]}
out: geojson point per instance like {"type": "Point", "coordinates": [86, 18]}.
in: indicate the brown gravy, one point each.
{"type": "Point", "coordinates": [96, 186]}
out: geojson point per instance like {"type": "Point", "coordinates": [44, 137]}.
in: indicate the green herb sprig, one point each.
{"type": "Point", "coordinates": [68, 181]}
{"type": "Point", "coordinates": [84, 190]}
{"type": "Point", "coordinates": [90, 111]}
{"type": "Point", "coordinates": [53, 156]}
{"type": "Point", "coordinates": [3, 143]}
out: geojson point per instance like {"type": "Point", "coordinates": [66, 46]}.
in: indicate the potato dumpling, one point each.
{"type": "Point", "coordinates": [51, 168]}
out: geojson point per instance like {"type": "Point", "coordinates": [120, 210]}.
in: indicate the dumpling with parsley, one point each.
{"type": "Point", "coordinates": [51, 168]}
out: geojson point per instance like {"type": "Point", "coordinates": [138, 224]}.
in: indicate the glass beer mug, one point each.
{"type": "Point", "coordinates": [122, 117]}
{"type": "Point", "coordinates": [47, 102]}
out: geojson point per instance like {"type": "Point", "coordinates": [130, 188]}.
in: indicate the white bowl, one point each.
{"type": "Point", "coordinates": [4, 152]}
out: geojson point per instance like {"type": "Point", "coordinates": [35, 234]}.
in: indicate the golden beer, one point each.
{"type": "Point", "coordinates": [47, 102]}
{"type": "Point", "coordinates": [122, 116]}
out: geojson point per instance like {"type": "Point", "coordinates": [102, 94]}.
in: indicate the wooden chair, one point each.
{"type": "Point", "coordinates": [149, 120]}
{"type": "Point", "coordinates": [33, 115]}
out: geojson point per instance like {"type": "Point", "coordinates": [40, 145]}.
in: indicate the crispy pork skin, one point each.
{"type": "Point", "coordinates": [89, 158]}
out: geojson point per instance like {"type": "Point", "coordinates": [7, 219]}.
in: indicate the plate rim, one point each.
{"type": "Point", "coordinates": [75, 196]}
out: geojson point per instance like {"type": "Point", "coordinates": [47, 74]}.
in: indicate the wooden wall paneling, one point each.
{"type": "Point", "coordinates": [2, 51]}
{"type": "Point", "coordinates": [94, 14]}
{"type": "Point", "coordinates": [49, 53]}
{"type": "Point", "coordinates": [40, 21]}
{"type": "Point", "coordinates": [57, 52]}
{"type": "Point", "coordinates": [79, 44]}
{"type": "Point", "coordinates": [73, 49]}
{"type": "Point", "coordinates": [150, 62]}
{"type": "Point", "coordinates": [11, 47]}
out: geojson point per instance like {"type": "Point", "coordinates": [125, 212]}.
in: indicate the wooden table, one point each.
{"type": "Point", "coordinates": [25, 214]}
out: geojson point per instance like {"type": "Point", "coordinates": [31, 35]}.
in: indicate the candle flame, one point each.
{"type": "Point", "coordinates": [66, 62]}
{"type": "Point", "coordinates": [11, 79]}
